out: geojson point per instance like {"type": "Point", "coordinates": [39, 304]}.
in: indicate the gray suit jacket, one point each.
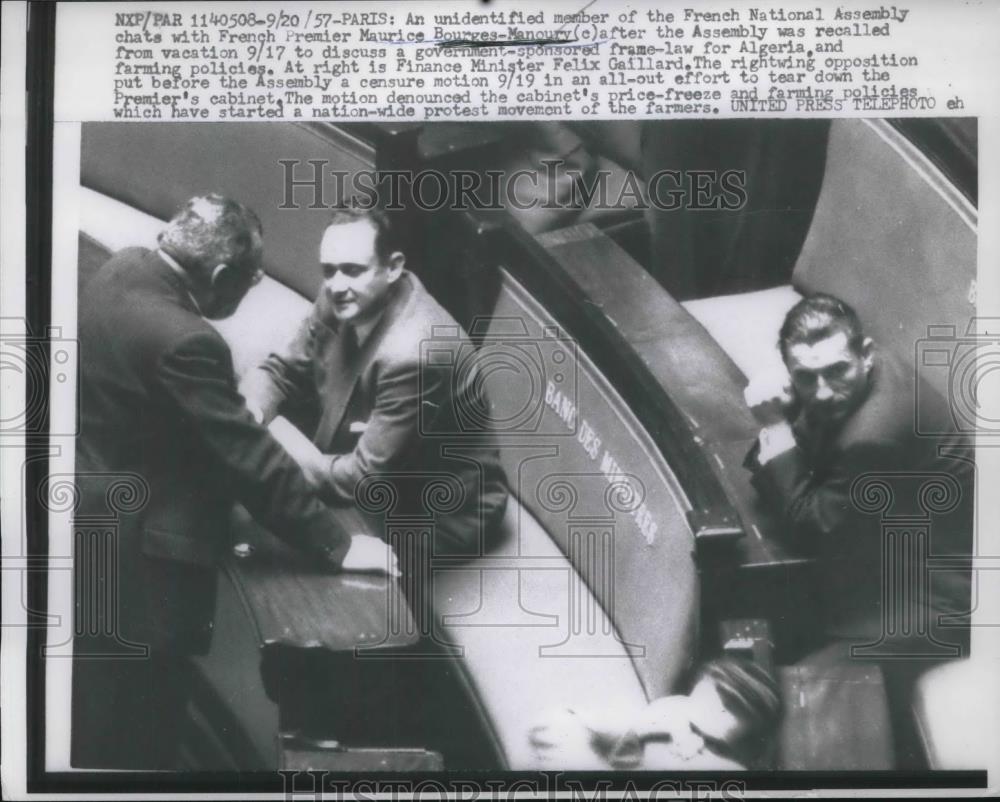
{"type": "Point", "coordinates": [400, 413]}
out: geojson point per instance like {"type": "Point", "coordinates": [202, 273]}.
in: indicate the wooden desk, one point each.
{"type": "Point", "coordinates": [700, 379]}
{"type": "Point", "coordinates": [293, 602]}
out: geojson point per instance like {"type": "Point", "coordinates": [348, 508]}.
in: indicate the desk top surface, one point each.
{"type": "Point", "coordinates": [294, 602]}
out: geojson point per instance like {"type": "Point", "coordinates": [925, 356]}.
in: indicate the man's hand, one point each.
{"type": "Point", "coordinates": [769, 396]}
{"type": "Point", "coordinates": [774, 440]}
{"type": "Point", "coordinates": [561, 741]}
{"type": "Point", "coordinates": [664, 716]}
{"type": "Point", "coordinates": [316, 469]}
{"type": "Point", "coordinates": [368, 553]}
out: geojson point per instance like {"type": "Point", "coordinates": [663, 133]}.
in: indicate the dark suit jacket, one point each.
{"type": "Point", "coordinates": [810, 486]}
{"type": "Point", "coordinates": [159, 409]}
{"type": "Point", "coordinates": [398, 411]}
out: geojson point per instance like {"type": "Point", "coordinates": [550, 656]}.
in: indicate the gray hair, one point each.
{"type": "Point", "coordinates": [210, 230]}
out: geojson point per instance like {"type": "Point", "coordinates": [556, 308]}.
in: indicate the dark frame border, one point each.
{"type": "Point", "coordinates": [39, 113]}
{"type": "Point", "coordinates": [38, 196]}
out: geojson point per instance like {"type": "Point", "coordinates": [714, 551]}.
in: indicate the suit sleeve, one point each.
{"type": "Point", "coordinates": [197, 377]}
{"type": "Point", "coordinates": [285, 374]}
{"type": "Point", "coordinates": [816, 504]}
{"type": "Point", "coordinates": [393, 428]}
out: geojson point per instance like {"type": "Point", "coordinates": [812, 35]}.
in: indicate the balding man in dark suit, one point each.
{"type": "Point", "coordinates": [159, 411]}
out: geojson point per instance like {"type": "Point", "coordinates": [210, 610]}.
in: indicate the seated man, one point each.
{"type": "Point", "coordinates": [727, 722]}
{"type": "Point", "coordinates": [386, 371]}
{"type": "Point", "coordinates": [846, 409]}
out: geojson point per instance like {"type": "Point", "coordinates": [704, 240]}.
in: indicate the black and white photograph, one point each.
{"type": "Point", "coordinates": [470, 453]}
{"type": "Point", "coordinates": [732, 539]}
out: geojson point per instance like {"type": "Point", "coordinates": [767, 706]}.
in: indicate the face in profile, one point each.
{"type": "Point", "coordinates": [829, 377]}
{"type": "Point", "coordinates": [356, 282]}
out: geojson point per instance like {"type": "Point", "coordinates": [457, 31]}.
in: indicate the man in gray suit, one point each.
{"type": "Point", "coordinates": [383, 408]}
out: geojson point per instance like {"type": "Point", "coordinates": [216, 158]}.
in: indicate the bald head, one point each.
{"type": "Point", "coordinates": [212, 230]}
{"type": "Point", "coordinates": [219, 243]}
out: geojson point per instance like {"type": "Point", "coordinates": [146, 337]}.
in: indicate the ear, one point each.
{"type": "Point", "coordinates": [396, 263]}
{"type": "Point", "coordinates": [868, 353]}
{"type": "Point", "coordinates": [228, 279]}
{"type": "Point", "coordinates": [220, 274]}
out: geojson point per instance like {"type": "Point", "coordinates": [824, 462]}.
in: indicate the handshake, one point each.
{"type": "Point", "coordinates": [366, 553]}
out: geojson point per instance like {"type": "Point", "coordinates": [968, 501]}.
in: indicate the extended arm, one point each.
{"type": "Point", "coordinates": [197, 376]}
{"type": "Point", "coordinates": [286, 373]}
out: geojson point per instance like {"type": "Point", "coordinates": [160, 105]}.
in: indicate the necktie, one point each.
{"type": "Point", "coordinates": [341, 374]}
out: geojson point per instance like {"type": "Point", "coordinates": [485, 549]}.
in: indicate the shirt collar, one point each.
{"type": "Point", "coordinates": [174, 265]}
{"type": "Point", "coordinates": [365, 328]}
